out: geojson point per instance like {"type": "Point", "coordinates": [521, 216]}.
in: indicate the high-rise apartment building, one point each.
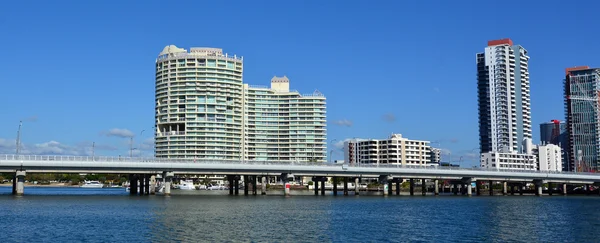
{"type": "Point", "coordinates": [394, 150]}
{"type": "Point", "coordinates": [282, 125]}
{"type": "Point", "coordinates": [582, 89]}
{"type": "Point", "coordinates": [503, 97]}
{"type": "Point", "coordinates": [205, 111]}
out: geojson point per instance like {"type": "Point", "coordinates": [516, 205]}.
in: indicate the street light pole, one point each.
{"type": "Point", "coordinates": [140, 142]}
{"type": "Point", "coordinates": [331, 149]}
{"type": "Point", "coordinates": [93, 148]}
{"type": "Point", "coordinates": [19, 137]}
{"type": "Point", "coordinates": [131, 147]}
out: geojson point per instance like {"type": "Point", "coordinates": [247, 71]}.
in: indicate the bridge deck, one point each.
{"type": "Point", "coordinates": [82, 164]}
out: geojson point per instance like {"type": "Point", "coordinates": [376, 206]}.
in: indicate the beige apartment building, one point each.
{"type": "Point", "coordinates": [205, 111]}
{"type": "Point", "coordinates": [394, 150]}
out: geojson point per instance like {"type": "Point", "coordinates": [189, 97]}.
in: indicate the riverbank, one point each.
{"type": "Point", "coordinates": [40, 185]}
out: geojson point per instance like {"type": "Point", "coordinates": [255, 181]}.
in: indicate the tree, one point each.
{"type": "Point", "coordinates": [206, 181]}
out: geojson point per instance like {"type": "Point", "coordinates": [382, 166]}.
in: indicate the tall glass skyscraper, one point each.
{"type": "Point", "coordinates": [503, 97]}
{"type": "Point", "coordinates": [582, 88]}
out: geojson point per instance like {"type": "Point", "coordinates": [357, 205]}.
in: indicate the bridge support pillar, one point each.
{"type": "Point", "coordinates": [236, 183]}
{"type": "Point", "coordinates": [504, 188]}
{"type": "Point", "coordinates": [463, 189]}
{"type": "Point", "coordinates": [436, 187]}
{"type": "Point", "coordinates": [231, 186]}
{"type": "Point", "coordinates": [423, 187]}
{"type": "Point", "coordinates": [390, 187]}
{"type": "Point", "coordinates": [263, 185]}
{"type": "Point", "coordinates": [152, 184]}
{"type": "Point", "coordinates": [455, 188]}
{"type": "Point", "coordinates": [398, 180]}
{"type": "Point", "coordinates": [316, 185]}
{"type": "Point", "coordinates": [334, 181]}
{"type": "Point", "coordinates": [385, 181]}
{"type": "Point", "coordinates": [469, 189]}
{"type": "Point", "coordinates": [246, 184]}
{"type": "Point", "coordinates": [142, 184]}
{"type": "Point", "coordinates": [586, 188]}
{"type": "Point", "coordinates": [146, 184]}
{"type": "Point", "coordinates": [564, 189]}
{"type": "Point", "coordinates": [539, 187]}
{"type": "Point", "coordinates": [491, 187]}
{"type": "Point", "coordinates": [20, 182]}
{"type": "Point", "coordinates": [356, 186]}
{"type": "Point", "coordinates": [478, 188]}
{"type": "Point", "coordinates": [167, 178]}
{"type": "Point", "coordinates": [254, 191]}
{"type": "Point", "coordinates": [345, 186]}
{"type": "Point", "coordinates": [550, 187]}
{"type": "Point", "coordinates": [323, 179]}
{"type": "Point", "coordinates": [14, 184]}
{"type": "Point", "coordinates": [285, 178]}
{"type": "Point", "coordinates": [133, 184]}
{"type": "Point", "coordinates": [520, 185]}
{"type": "Point", "coordinates": [412, 187]}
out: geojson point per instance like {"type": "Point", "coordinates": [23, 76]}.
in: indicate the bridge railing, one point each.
{"type": "Point", "coordinates": [64, 158]}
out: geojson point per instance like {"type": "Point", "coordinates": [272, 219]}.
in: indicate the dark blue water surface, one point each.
{"type": "Point", "coordinates": [111, 215]}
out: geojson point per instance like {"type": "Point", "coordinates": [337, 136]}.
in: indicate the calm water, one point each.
{"type": "Point", "coordinates": [111, 215]}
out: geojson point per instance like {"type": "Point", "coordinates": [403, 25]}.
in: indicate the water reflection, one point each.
{"type": "Point", "coordinates": [215, 216]}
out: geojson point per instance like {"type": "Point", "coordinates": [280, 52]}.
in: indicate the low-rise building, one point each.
{"type": "Point", "coordinates": [435, 155]}
{"type": "Point", "coordinates": [549, 157]}
{"type": "Point", "coordinates": [394, 150]}
{"type": "Point", "coordinates": [508, 161]}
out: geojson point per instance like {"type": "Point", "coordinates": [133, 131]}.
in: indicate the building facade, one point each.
{"type": "Point", "coordinates": [351, 153]}
{"type": "Point", "coordinates": [582, 88]}
{"type": "Point", "coordinates": [549, 157]}
{"type": "Point", "coordinates": [394, 150]}
{"type": "Point", "coordinates": [503, 97]}
{"type": "Point", "coordinates": [283, 125]}
{"type": "Point", "coordinates": [525, 160]}
{"type": "Point", "coordinates": [205, 111]}
{"type": "Point", "coordinates": [508, 161]}
{"type": "Point", "coordinates": [555, 132]}
{"type": "Point", "coordinates": [435, 155]}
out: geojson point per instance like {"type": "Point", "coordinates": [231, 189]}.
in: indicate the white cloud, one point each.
{"type": "Point", "coordinates": [389, 117]}
{"type": "Point", "coordinates": [147, 145]}
{"type": "Point", "coordinates": [52, 147]}
{"type": "Point", "coordinates": [343, 123]}
{"type": "Point", "coordinates": [30, 119]}
{"type": "Point", "coordinates": [47, 148]}
{"type": "Point", "coordinates": [119, 132]}
{"type": "Point", "coordinates": [445, 152]}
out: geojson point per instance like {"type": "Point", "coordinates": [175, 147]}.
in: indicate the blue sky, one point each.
{"type": "Point", "coordinates": [75, 71]}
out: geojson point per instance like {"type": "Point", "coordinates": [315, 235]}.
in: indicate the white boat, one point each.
{"type": "Point", "coordinates": [215, 187]}
{"type": "Point", "coordinates": [187, 185]}
{"type": "Point", "coordinates": [92, 184]}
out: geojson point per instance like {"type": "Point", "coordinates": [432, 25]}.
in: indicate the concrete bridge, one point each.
{"type": "Point", "coordinates": [142, 170]}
